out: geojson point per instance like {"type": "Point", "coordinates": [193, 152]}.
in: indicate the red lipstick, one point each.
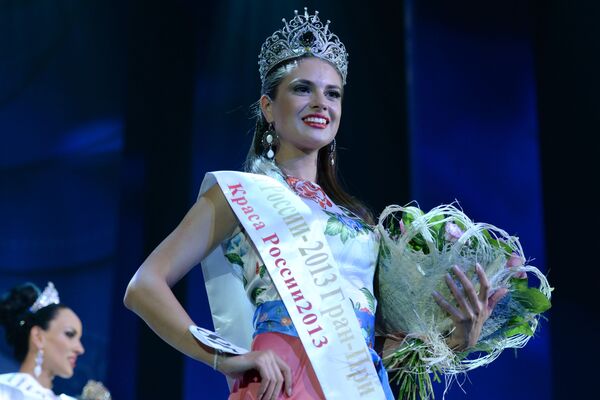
{"type": "Point", "coordinates": [316, 121]}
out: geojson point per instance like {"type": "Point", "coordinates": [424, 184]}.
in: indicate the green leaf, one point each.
{"type": "Point", "coordinates": [370, 299]}
{"type": "Point", "coordinates": [334, 226]}
{"type": "Point", "coordinates": [462, 226]}
{"type": "Point", "coordinates": [391, 226]}
{"type": "Point", "coordinates": [517, 325]}
{"type": "Point", "coordinates": [524, 329]}
{"type": "Point", "coordinates": [408, 218]}
{"type": "Point", "coordinates": [384, 251]}
{"type": "Point", "coordinates": [518, 284]}
{"type": "Point", "coordinates": [345, 234]}
{"type": "Point", "coordinates": [532, 300]}
{"type": "Point", "coordinates": [438, 231]}
{"type": "Point", "coordinates": [482, 347]}
{"type": "Point", "coordinates": [419, 244]}
{"type": "Point", "coordinates": [262, 270]}
{"type": "Point", "coordinates": [436, 223]}
{"type": "Point", "coordinates": [418, 240]}
{"type": "Point", "coordinates": [235, 258]}
{"type": "Point", "coordinates": [256, 292]}
{"type": "Point", "coordinates": [440, 237]}
{"type": "Point", "coordinates": [499, 244]}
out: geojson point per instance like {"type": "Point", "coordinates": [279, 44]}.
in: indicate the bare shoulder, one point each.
{"type": "Point", "coordinates": [213, 204]}
{"type": "Point", "coordinates": [208, 223]}
{"type": "Point", "coordinates": [210, 218]}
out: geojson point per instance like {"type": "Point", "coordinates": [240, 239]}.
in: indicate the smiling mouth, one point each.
{"type": "Point", "coordinates": [316, 121]}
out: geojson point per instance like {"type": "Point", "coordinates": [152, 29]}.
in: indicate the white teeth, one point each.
{"type": "Point", "coordinates": [316, 120]}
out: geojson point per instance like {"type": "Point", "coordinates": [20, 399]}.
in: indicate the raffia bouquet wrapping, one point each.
{"type": "Point", "coordinates": [95, 390]}
{"type": "Point", "coordinates": [417, 251]}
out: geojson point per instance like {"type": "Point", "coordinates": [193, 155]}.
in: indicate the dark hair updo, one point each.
{"type": "Point", "coordinates": [18, 320]}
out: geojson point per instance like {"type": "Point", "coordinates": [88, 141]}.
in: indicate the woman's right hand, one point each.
{"type": "Point", "coordinates": [275, 374]}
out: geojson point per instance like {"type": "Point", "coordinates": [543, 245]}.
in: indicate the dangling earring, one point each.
{"type": "Point", "coordinates": [332, 153]}
{"type": "Point", "coordinates": [39, 359]}
{"type": "Point", "coordinates": [268, 141]}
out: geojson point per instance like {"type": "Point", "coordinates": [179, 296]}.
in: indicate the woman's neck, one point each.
{"type": "Point", "coordinates": [45, 379]}
{"type": "Point", "coordinates": [298, 165]}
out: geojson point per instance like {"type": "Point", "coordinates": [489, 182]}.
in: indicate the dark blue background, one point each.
{"type": "Point", "coordinates": [111, 113]}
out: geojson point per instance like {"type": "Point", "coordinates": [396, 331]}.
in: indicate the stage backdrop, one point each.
{"type": "Point", "coordinates": [61, 124]}
{"type": "Point", "coordinates": [440, 106]}
{"type": "Point", "coordinates": [112, 112]}
{"type": "Point", "coordinates": [474, 139]}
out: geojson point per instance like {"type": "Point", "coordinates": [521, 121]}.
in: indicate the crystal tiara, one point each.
{"type": "Point", "coordinates": [301, 36]}
{"type": "Point", "coordinates": [47, 297]}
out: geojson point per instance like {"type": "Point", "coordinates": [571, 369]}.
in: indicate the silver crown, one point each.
{"type": "Point", "coordinates": [303, 35]}
{"type": "Point", "coordinates": [48, 296]}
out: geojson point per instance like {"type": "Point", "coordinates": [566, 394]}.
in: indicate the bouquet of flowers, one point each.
{"type": "Point", "coordinates": [94, 390]}
{"type": "Point", "coordinates": [417, 251]}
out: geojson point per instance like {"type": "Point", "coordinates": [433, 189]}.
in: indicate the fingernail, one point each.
{"type": "Point", "coordinates": [289, 392]}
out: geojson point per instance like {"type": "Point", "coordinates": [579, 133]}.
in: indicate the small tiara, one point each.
{"type": "Point", "coordinates": [47, 297]}
{"type": "Point", "coordinates": [303, 35]}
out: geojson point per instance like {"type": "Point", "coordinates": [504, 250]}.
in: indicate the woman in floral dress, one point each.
{"type": "Point", "coordinates": [303, 71]}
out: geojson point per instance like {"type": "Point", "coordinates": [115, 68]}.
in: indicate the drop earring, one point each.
{"type": "Point", "coordinates": [269, 140]}
{"type": "Point", "coordinates": [332, 153]}
{"type": "Point", "coordinates": [39, 359]}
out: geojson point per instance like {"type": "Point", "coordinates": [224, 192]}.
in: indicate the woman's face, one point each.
{"type": "Point", "coordinates": [62, 343]}
{"type": "Point", "coordinates": [307, 108]}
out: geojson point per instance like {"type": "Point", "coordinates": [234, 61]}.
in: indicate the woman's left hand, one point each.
{"type": "Point", "coordinates": [473, 309]}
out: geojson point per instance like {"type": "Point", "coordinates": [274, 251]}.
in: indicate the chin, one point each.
{"type": "Point", "coordinates": [66, 373]}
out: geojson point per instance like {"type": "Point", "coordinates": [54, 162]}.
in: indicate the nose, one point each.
{"type": "Point", "coordinates": [318, 101]}
{"type": "Point", "coordinates": [79, 348]}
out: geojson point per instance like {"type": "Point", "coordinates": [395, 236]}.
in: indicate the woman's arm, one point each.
{"type": "Point", "coordinates": [149, 294]}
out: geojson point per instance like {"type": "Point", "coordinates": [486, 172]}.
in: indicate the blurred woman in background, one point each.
{"type": "Point", "coordinates": [46, 338]}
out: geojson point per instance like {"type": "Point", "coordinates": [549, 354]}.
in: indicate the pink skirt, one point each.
{"type": "Point", "coordinates": [305, 384]}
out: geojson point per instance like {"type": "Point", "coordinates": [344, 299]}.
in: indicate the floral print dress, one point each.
{"type": "Point", "coordinates": [353, 243]}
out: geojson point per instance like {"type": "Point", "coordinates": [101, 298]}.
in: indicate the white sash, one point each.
{"type": "Point", "coordinates": [291, 243]}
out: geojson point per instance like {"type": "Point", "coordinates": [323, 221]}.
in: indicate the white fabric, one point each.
{"type": "Point", "coordinates": [355, 253]}
{"type": "Point", "coordinates": [338, 354]}
{"type": "Point", "coordinates": [21, 386]}
{"type": "Point", "coordinates": [224, 290]}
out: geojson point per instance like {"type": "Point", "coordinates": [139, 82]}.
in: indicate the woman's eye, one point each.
{"type": "Point", "coordinates": [334, 94]}
{"type": "Point", "coordinates": [301, 89]}
{"type": "Point", "coordinates": [70, 334]}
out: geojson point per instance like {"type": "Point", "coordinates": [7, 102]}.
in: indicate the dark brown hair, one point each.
{"type": "Point", "coordinates": [327, 176]}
